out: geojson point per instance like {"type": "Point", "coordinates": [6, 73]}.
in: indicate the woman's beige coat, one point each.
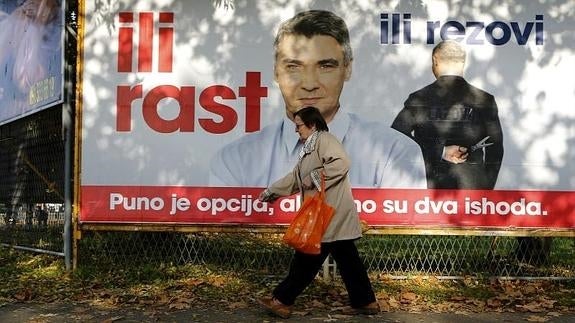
{"type": "Point", "coordinates": [329, 156]}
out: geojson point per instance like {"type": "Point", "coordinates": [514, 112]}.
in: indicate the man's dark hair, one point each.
{"type": "Point", "coordinates": [312, 117]}
{"type": "Point", "coordinates": [313, 23]}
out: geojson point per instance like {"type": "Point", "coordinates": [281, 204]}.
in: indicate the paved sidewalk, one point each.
{"type": "Point", "coordinates": [60, 313]}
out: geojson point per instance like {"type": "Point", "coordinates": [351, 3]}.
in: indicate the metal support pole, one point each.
{"type": "Point", "coordinates": [68, 142]}
{"type": "Point", "coordinates": [68, 135]}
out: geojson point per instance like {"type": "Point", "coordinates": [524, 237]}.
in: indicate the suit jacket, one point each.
{"type": "Point", "coordinates": [326, 155]}
{"type": "Point", "coordinates": [451, 111]}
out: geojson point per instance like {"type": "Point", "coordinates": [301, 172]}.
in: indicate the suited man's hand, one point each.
{"type": "Point", "coordinates": [455, 154]}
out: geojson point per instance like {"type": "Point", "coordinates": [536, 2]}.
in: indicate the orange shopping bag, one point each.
{"type": "Point", "coordinates": [312, 219]}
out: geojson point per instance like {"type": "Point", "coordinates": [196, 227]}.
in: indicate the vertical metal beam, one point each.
{"type": "Point", "coordinates": [68, 133]}
{"type": "Point", "coordinates": [67, 124]}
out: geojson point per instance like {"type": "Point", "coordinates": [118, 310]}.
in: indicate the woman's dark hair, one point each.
{"type": "Point", "coordinates": [312, 117]}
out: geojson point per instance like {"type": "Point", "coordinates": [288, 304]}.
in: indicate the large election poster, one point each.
{"type": "Point", "coordinates": [31, 56]}
{"type": "Point", "coordinates": [183, 116]}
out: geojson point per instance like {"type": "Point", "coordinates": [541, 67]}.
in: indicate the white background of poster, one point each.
{"type": "Point", "coordinates": [533, 84]}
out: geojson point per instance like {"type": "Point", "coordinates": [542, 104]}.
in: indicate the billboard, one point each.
{"type": "Point", "coordinates": [183, 119]}
{"type": "Point", "coordinates": [31, 56]}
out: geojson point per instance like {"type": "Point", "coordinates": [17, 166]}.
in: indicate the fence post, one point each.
{"type": "Point", "coordinates": [329, 269]}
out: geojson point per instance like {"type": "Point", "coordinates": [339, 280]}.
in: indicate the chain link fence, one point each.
{"type": "Point", "coordinates": [394, 255]}
{"type": "Point", "coordinates": [32, 182]}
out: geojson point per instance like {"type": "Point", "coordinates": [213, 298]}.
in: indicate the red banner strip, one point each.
{"type": "Point", "coordinates": [379, 207]}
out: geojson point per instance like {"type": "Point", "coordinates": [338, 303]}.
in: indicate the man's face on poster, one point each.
{"type": "Point", "coordinates": [311, 72]}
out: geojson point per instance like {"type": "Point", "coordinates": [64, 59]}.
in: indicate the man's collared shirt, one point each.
{"type": "Point", "coordinates": [380, 156]}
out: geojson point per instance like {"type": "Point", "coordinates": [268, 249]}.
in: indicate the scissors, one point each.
{"type": "Point", "coordinates": [481, 144]}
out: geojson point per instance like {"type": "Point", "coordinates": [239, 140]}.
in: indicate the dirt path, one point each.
{"type": "Point", "coordinates": [65, 312]}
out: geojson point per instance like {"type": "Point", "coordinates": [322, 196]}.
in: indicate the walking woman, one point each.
{"type": "Point", "coordinates": [323, 154]}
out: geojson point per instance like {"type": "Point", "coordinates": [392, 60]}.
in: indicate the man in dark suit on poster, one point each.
{"type": "Point", "coordinates": [455, 124]}
{"type": "Point", "coordinates": [457, 127]}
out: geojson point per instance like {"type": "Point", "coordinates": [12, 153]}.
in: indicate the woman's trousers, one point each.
{"type": "Point", "coordinates": [304, 268]}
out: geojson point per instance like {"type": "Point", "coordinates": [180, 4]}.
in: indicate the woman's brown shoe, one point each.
{"type": "Point", "coordinates": [369, 309]}
{"type": "Point", "coordinates": [275, 307]}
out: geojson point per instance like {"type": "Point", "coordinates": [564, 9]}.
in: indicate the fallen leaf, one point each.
{"type": "Point", "coordinates": [532, 307]}
{"type": "Point", "coordinates": [535, 318]}
{"type": "Point", "coordinates": [300, 313]}
{"type": "Point", "coordinates": [408, 297]}
{"type": "Point", "coordinates": [179, 306]}
{"type": "Point", "coordinates": [339, 316]}
{"type": "Point", "coordinates": [236, 305]}
{"type": "Point", "coordinates": [113, 319]}
{"type": "Point", "coordinates": [493, 302]}
{"type": "Point", "coordinates": [384, 306]}
{"type": "Point", "coordinates": [337, 304]}
{"type": "Point", "coordinates": [24, 295]}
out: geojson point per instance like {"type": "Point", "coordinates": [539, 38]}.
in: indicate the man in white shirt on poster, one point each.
{"type": "Point", "coordinates": [313, 60]}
